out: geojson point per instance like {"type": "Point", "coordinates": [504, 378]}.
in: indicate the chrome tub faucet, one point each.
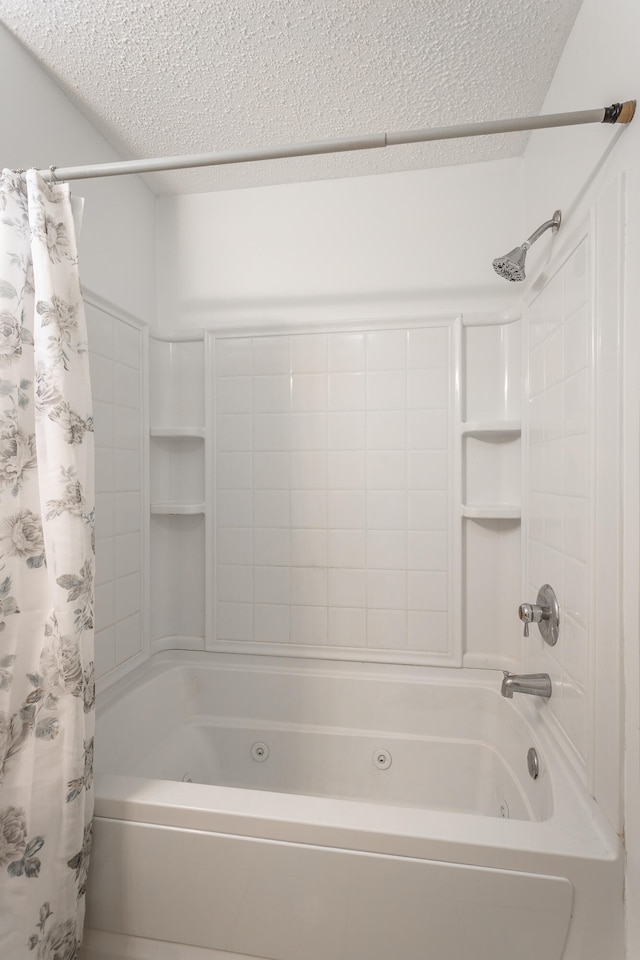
{"type": "Point", "coordinates": [535, 684]}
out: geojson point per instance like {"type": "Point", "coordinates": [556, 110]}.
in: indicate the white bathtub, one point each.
{"type": "Point", "coordinates": [393, 819]}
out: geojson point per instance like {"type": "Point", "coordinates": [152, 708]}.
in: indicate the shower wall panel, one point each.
{"type": "Point", "coordinates": [116, 361]}
{"type": "Point", "coordinates": [333, 482]}
{"type": "Point", "coordinates": [573, 535]}
{"type": "Point", "coordinates": [559, 483]}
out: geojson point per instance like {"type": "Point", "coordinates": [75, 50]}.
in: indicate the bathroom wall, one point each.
{"type": "Point", "coordinates": [579, 171]}
{"type": "Point", "coordinates": [117, 266]}
{"type": "Point", "coordinates": [368, 247]}
{"type": "Point", "coordinates": [40, 127]}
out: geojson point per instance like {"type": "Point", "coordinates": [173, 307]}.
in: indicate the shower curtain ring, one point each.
{"type": "Point", "coordinates": [52, 171]}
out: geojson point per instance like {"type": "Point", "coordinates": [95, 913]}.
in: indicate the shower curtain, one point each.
{"type": "Point", "coordinates": [47, 687]}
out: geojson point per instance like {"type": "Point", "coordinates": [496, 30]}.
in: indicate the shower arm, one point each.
{"type": "Point", "coordinates": [552, 225]}
{"type": "Point", "coordinates": [616, 113]}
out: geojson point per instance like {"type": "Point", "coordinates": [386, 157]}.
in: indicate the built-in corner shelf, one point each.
{"type": "Point", "coordinates": [178, 509]}
{"type": "Point", "coordinates": [500, 511]}
{"type": "Point", "coordinates": [177, 471]}
{"type": "Point", "coordinates": [177, 432]}
{"type": "Point", "coordinates": [489, 453]}
{"type": "Point", "coordinates": [177, 491]}
{"type": "Point", "coordinates": [492, 429]}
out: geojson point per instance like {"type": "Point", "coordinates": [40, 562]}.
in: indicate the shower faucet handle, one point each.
{"type": "Point", "coordinates": [531, 613]}
{"type": "Point", "coordinates": [545, 612]}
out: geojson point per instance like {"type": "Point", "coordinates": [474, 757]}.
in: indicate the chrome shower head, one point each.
{"type": "Point", "coordinates": [511, 265]}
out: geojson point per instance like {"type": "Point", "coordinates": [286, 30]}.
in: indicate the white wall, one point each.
{"type": "Point", "coordinates": [391, 245]}
{"type": "Point", "coordinates": [571, 170]}
{"type": "Point", "coordinates": [117, 265]}
{"type": "Point", "coordinates": [39, 127]}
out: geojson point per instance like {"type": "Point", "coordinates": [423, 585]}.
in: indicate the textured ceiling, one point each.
{"type": "Point", "coordinates": [162, 77]}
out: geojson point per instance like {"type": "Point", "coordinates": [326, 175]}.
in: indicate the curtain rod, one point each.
{"type": "Point", "coordinates": [616, 113]}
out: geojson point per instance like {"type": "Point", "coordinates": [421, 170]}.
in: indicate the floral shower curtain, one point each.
{"type": "Point", "coordinates": [47, 687]}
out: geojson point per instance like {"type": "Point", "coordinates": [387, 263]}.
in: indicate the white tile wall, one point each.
{"type": "Point", "coordinates": [115, 353]}
{"type": "Point", "coordinates": [559, 488]}
{"type": "Point", "coordinates": [332, 506]}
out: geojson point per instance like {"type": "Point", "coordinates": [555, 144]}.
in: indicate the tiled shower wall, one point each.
{"type": "Point", "coordinates": [560, 487]}
{"type": "Point", "coordinates": [332, 476]}
{"type": "Point", "coordinates": [115, 351]}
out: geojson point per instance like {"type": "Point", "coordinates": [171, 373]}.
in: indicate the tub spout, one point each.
{"type": "Point", "coordinates": [535, 684]}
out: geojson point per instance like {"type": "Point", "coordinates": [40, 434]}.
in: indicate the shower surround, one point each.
{"type": "Point", "coordinates": [324, 483]}
{"type": "Point", "coordinates": [252, 578]}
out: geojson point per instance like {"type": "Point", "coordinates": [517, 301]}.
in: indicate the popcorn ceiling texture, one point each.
{"type": "Point", "coordinates": [163, 77]}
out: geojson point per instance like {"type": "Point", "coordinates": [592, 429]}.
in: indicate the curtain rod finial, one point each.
{"type": "Point", "coordinates": [627, 112]}
{"type": "Point", "coordinates": [620, 112]}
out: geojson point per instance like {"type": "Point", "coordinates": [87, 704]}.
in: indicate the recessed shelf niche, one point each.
{"type": "Point", "coordinates": [177, 472]}
{"type": "Point", "coordinates": [178, 577]}
{"type": "Point", "coordinates": [491, 474]}
{"type": "Point", "coordinates": [490, 438]}
{"type": "Point", "coordinates": [177, 492]}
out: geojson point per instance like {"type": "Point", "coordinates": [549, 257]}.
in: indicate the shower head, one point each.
{"type": "Point", "coordinates": [511, 265]}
